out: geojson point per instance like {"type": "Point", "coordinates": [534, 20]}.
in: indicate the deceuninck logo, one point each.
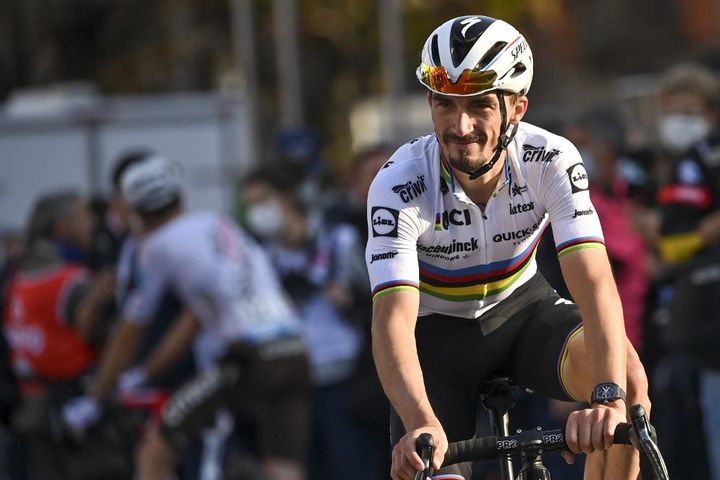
{"type": "Point", "coordinates": [384, 221]}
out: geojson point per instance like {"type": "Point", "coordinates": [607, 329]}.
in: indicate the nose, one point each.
{"type": "Point", "coordinates": [463, 124]}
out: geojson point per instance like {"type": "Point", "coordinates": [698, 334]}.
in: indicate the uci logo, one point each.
{"type": "Point", "coordinates": [453, 217]}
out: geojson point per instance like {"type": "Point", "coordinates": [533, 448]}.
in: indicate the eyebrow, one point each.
{"type": "Point", "coordinates": [478, 99]}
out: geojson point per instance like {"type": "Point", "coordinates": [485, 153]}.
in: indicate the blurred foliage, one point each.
{"type": "Point", "coordinates": [133, 46]}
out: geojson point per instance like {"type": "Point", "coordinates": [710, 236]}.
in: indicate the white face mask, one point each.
{"type": "Point", "coordinates": [266, 219]}
{"type": "Point", "coordinates": [678, 132]}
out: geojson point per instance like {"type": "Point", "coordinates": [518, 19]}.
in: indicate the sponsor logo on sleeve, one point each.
{"type": "Point", "coordinates": [384, 221]}
{"type": "Point", "coordinates": [376, 257]}
{"type": "Point", "coordinates": [578, 178]}
{"type": "Point", "coordinates": [532, 153]}
{"type": "Point", "coordinates": [411, 189]}
{"type": "Point", "coordinates": [580, 213]}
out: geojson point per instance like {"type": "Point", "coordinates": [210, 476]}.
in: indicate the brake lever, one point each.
{"type": "Point", "coordinates": [644, 433]}
{"type": "Point", "coordinates": [425, 448]}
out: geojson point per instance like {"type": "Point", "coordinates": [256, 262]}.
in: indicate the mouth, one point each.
{"type": "Point", "coordinates": [463, 141]}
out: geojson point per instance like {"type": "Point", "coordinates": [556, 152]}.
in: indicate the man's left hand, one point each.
{"type": "Point", "coordinates": [592, 429]}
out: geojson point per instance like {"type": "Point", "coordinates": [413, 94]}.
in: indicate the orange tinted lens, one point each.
{"type": "Point", "coordinates": [469, 83]}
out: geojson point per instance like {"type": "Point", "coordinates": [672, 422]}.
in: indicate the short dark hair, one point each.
{"type": "Point", "coordinates": [692, 78]}
{"type": "Point", "coordinates": [162, 212]}
{"type": "Point", "coordinates": [273, 176]}
{"type": "Point", "coordinates": [47, 211]}
{"type": "Point", "coordinates": [125, 160]}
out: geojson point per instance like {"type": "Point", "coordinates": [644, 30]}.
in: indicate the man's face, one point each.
{"type": "Point", "coordinates": [76, 226]}
{"type": "Point", "coordinates": [468, 127]}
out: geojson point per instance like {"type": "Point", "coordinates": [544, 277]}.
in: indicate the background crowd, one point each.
{"type": "Point", "coordinates": [67, 272]}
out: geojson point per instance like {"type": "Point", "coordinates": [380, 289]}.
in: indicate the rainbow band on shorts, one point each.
{"type": "Point", "coordinates": [562, 360]}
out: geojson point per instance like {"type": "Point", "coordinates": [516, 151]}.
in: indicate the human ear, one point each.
{"type": "Point", "coordinates": [518, 109]}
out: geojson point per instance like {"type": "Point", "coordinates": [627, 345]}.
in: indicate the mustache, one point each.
{"type": "Point", "coordinates": [449, 137]}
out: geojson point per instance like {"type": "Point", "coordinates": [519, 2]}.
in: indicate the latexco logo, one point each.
{"type": "Point", "coordinates": [384, 221]}
{"type": "Point", "coordinates": [578, 178]}
{"type": "Point", "coordinates": [521, 207]}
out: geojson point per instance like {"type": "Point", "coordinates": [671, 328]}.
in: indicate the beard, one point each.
{"type": "Point", "coordinates": [463, 160]}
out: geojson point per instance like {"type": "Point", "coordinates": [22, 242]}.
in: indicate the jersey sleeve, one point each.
{"type": "Point", "coordinates": [143, 300]}
{"type": "Point", "coordinates": [565, 190]}
{"type": "Point", "coordinates": [393, 230]}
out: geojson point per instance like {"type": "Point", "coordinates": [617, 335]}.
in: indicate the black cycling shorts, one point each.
{"type": "Point", "coordinates": [269, 380]}
{"type": "Point", "coordinates": [523, 337]}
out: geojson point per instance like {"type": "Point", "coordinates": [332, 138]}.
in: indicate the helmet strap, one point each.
{"type": "Point", "coordinates": [503, 140]}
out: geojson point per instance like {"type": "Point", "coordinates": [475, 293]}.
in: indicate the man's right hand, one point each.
{"type": "Point", "coordinates": [405, 460]}
{"type": "Point", "coordinates": [80, 414]}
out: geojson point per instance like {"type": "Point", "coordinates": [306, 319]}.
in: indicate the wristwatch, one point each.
{"type": "Point", "coordinates": [607, 393]}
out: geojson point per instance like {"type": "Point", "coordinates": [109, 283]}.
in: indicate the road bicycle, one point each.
{"type": "Point", "coordinates": [530, 445]}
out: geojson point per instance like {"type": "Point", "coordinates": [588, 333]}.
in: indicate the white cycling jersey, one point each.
{"type": "Point", "coordinates": [425, 233]}
{"type": "Point", "coordinates": [219, 272]}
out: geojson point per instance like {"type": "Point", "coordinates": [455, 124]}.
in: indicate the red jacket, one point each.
{"type": "Point", "coordinates": [42, 345]}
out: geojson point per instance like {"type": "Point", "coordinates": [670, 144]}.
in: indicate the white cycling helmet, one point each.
{"type": "Point", "coordinates": [475, 54]}
{"type": "Point", "coordinates": [151, 184]}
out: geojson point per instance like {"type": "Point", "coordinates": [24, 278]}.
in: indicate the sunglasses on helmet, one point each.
{"type": "Point", "coordinates": [471, 82]}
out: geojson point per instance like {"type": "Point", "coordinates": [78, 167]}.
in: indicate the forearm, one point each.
{"type": "Point", "coordinates": [398, 367]}
{"type": "Point", "coordinates": [173, 345]}
{"type": "Point", "coordinates": [116, 357]}
{"type": "Point", "coordinates": [591, 284]}
{"type": "Point", "coordinates": [605, 338]}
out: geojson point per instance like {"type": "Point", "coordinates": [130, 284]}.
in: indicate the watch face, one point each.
{"type": "Point", "coordinates": [606, 391]}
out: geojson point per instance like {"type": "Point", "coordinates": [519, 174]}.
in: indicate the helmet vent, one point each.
{"type": "Point", "coordinates": [519, 68]}
{"type": "Point", "coordinates": [435, 51]}
{"type": "Point", "coordinates": [490, 55]}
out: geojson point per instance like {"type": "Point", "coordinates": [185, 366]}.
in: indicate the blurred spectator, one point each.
{"type": "Point", "coordinates": [599, 134]}
{"type": "Point", "coordinates": [10, 451]}
{"type": "Point", "coordinates": [316, 261]}
{"type": "Point", "coordinates": [368, 405]}
{"type": "Point", "coordinates": [689, 246]}
{"type": "Point", "coordinates": [49, 320]}
{"type": "Point", "coordinates": [252, 356]}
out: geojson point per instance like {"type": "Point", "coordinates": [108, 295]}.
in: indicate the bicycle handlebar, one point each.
{"type": "Point", "coordinates": [638, 433]}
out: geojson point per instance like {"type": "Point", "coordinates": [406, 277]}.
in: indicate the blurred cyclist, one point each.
{"type": "Point", "coordinates": [252, 354]}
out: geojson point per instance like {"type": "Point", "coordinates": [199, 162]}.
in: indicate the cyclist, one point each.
{"type": "Point", "coordinates": [248, 346]}
{"type": "Point", "coordinates": [454, 219]}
